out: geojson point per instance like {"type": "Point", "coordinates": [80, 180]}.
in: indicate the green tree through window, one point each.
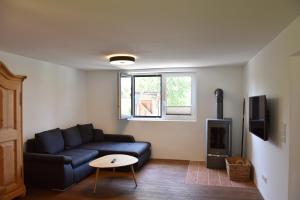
{"type": "Point", "coordinates": [147, 84]}
{"type": "Point", "coordinates": [179, 91]}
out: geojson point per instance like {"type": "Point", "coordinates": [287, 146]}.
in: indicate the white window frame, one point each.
{"type": "Point", "coordinates": [164, 116]}
{"type": "Point", "coordinates": [120, 75]}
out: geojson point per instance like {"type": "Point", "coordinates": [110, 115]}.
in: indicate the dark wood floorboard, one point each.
{"type": "Point", "coordinates": [158, 180]}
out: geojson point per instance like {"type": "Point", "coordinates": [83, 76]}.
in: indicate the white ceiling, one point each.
{"type": "Point", "coordinates": [161, 33]}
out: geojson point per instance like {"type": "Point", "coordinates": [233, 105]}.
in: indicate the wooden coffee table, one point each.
{"type": "Point", "coordinates": [113, 161]}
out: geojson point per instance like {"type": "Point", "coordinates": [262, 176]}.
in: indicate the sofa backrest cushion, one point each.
{"type": "Point", "coordinates": [98, 135]}
{"type": "Point", "coordinates": [30, 146]}
{"type": "Point", "coordinates": [72, 137]}
{"type": "Point", "coordinates": [86, 132]}
{"type": "Point", "coordinates": [49, 142]}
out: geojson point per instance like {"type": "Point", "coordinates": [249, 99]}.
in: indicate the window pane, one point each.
{"type": "Point", "coordinates": [147, 96]}
{"type": "Point", "coordinates": [125, 96]}
{"type": "Point", "coordinates": [179, 95]}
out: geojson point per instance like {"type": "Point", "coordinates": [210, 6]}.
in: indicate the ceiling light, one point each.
{"type": "Point", "coordinates": [121, 59]}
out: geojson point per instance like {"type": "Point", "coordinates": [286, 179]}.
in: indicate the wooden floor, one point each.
{"type": "Point", "coordinates": [158, 180]}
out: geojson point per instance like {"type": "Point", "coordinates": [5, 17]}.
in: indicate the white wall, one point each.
{"type": "Point", "coordinates": [170, 140]}
{"type": "Point", "coordinates": [54, 95]}
{"type": "Point", "coordinates": [268, 73]}
{"type": "Point", "coordinates": [294, 175]}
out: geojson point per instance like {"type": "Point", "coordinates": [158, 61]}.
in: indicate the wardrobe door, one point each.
{"type": "Point", "coordinates": [11, 152]}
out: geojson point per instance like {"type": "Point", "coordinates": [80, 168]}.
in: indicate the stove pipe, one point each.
{"type": "Point", "coordinates": [219, 97]}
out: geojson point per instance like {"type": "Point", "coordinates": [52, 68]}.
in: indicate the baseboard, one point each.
{"type": "Point", "coordinates": [175, 160]}
{"type": "Point", "coordinates": [168, 160]}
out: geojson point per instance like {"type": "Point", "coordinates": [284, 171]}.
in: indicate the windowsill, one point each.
{"type": "Point", "coordinates": [160, 119]}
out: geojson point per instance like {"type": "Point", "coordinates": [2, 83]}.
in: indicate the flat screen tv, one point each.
{"type": "Point", "coordinates": [258, 116]}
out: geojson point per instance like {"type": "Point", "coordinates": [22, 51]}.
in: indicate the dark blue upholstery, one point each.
{"type": "Point", "coordinates": [79, 156]}
{"type": "Point", "coordinates": [98, 135]}
{"type": "Point", "coordinates": [72, 137]}
{"type": "Point", "coordinates": [82, 171]}
{"type": "Point", "coordinates": [50, 141]}
{"type": "Point", "coordinates": [48, 158]}
{"type": "Point", "coordinates": [52, 173]}
{"type": "Point", "coordinates": [48, 164]}
{"type": "Point", "coordinates": [86, 132]}
{"type": "Point", "coordinates": [135, 149]}
{"type": "Point", "coordinates": [31, 145]}
{"type": "Point", "coordinates": [117, 138]}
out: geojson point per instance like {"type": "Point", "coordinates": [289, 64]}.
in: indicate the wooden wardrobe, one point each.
{"type": "Point", "coordinates": [11, 137]}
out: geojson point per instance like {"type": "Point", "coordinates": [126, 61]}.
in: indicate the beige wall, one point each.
{"type": "Point", "coordinates": [171, 140]}
{"type": "Point", "coordinates": [54, 95]}
{"type": "Point", "coordinates": [268, 73]}
{"type": "Point", "coordinates": [58, 96]}
{"type": "Point", "coordinates": [294, 175]}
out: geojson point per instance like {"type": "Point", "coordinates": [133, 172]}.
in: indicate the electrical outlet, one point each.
{"type": "Point", "coordinates": [283, 135]}
{"type": "Point", "coordinates": [264, 178]}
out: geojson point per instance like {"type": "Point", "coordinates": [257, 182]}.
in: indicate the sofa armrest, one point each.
{"type": "Point", "coordinates": [50, 171]}
{"type": "Point", "coordinates": [47, 158]}
{"type": "Point", "coordinates": [118, 138]}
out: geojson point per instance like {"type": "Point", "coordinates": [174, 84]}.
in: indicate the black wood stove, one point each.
{"type": "Point", "coordinates": [218, 136]}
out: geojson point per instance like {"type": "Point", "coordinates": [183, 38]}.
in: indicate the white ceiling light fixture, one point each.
{"type": "Point", "coordinates": [121, 59]}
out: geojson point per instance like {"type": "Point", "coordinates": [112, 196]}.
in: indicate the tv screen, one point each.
{"type": "Point", "coordinates": [258, 116]}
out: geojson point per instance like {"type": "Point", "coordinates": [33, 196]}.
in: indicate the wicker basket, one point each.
{"type": "Point", "coordinates": [238, 169]}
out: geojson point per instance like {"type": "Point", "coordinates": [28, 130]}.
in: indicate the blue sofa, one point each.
{"type": "Point", "coordinates": [59, 158]}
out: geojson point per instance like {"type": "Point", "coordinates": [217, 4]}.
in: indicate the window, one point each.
{"type": "Point", "coordinates": [125, 96]}
{"type": "Point", "coordinates": [178, 95]}
{"type": "Point", "coordinates": [147, 96]}
{"type": "Point", "coordinates": [166, 96]}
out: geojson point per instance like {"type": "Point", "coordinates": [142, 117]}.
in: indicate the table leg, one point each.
{"type": "Point", "coordinates": [133, 175]}
{"type": "Point", "coordinates": [97, 174]}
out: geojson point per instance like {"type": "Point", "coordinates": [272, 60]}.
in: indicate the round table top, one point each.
{"type": "Point", "coordinates": [120, 161]}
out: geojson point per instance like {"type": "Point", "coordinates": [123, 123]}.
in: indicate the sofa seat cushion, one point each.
{"type": "Point", "coordinates": [135, 149]}
{"type": "Point", "coordinates": [79, 156]}
{"type": "Point", "coordinates": [49, 142]}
